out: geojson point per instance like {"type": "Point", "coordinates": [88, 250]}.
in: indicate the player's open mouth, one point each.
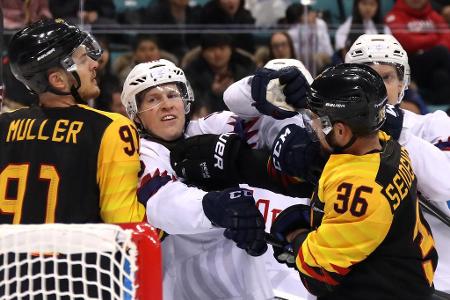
{"type": "Point", "coordinates": [168, 118]}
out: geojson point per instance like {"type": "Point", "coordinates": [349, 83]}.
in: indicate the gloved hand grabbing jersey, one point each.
{"type": "Point", "coordinates": [289, 220]}
{"type": "Point", "coordinates": [295, 154]}
{"type": "Point", "coordinates": [295, 90]}
{"type": "Point", "coordinates": [208, 160]}
{"type": "Point", "coordinates": [235, 210]}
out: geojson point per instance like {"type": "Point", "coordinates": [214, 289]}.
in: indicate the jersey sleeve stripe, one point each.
{"type": "Point", "coordinates": [151, 184]}
{"type": "Point", "coordinates": [444, 146]}
{"type": "Point", "coordinates": [316, 273]}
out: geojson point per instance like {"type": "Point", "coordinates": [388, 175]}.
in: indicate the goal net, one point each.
{"type": "Point", "coordinates": [87, 261]}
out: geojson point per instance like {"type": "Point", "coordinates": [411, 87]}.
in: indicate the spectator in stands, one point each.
{"type": "Point", "coordinates": [414, 102]}
{"type": "Point", "coordinates": [145, 48]}
{"type": "Point", "coordinates": [177, 13]}
{"type": "Point", "coordinates": [109, 83]}
{"type": "Point", "coordinates": [267, 13]}
{"type": "Point", "coordinates": [109, 98]}
{"type": "Point", "coordinates": [16, 95]}
{"type": "Point", "coordinates": [310, 37]}
{"type": "Point", "coordinates": [67, 10]}
{"type": "Point", "coordinates": [230, 14]}
{"type": "Point", "coordinates": [99, 12]}
{"type": "Point", "coordinates": [95, 11]}
{"type": "Point", "coordinates": [218, 65]}
{"type": "Point", "coordinates": [443, 7]}
{"type": "Point", "coordinates": [424, 35]}
{"type": "Point", "coordinates": [366, 18]}
{"type": "Point", "coordinates": [280, 46]}
{"type": "Point", "coordinates": [18, 14]}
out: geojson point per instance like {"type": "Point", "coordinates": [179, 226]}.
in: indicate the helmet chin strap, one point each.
{"type": "Point", "coordinates": [73, 90]}
{"type": "Point", "coordinates": [339, 149]}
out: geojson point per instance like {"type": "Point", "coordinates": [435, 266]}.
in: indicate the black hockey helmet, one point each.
{"type": "Point", "coordinates": [353, 94]}
{"type": "Point", "coordinates": [46, 44]}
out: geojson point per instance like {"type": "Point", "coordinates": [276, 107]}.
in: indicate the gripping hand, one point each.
{"type": "Point", "coordinates": [292, 218]}
{"type": "Point", "coordinates": [394, 121]}
{"type": "Point", "coordinates": [208, 160]}
{"type": "Point", "coordinates": [235, 210]}
{"type": "Point", "coordinates": [295, 154]}
{"type": "Point", "coordinates": [294, 90]}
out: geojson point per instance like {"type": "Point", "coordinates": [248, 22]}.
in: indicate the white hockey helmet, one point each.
{"type": "Point", "coordinates": [152, 74]}
{"type": "Point", "coordinates": [279, 63]}
{"type": "Point", "coordinates": [381, 48]}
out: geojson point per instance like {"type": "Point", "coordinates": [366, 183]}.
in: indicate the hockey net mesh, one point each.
{"type": "Point", "coordinates": [58, 261]}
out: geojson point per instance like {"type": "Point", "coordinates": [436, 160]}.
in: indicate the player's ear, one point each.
{"type": "Point", "coordinates": [342, 132]}
{"type": "Point", "coordinates": [57, 79]}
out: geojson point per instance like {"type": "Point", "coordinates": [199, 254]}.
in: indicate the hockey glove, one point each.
{"type": "Point", "coordinates": [295, 90]}
{"type": "Point", "coordinates": [208, 160]}
{"type": "Point", "coordinates": [295, 154]}
{"type": "Point", "coordinates": [292, 218]}
{"type": "Point", "coordinates": [296, 87]}
{"type": "Point", "coordinates": [394, 121]}
{"type": "Point", "coordinates": [235, 210]}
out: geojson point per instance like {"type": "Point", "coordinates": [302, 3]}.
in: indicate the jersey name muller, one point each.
{"type": "Point", "coordinates": [62, 130]}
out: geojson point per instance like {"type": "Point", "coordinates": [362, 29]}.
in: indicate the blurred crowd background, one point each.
{"type": "Point", "coordinates": [218, 42]}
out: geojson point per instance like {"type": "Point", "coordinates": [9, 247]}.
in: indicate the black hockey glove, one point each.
{"type": "Point", "coordinates": [208, 160]}
{"type": "Point", "coordinates": [235, 210]}
{"type": "Point", "coordinates": [295, 154]}
{"type": "Point", "coordinates": [394, 121]}
{"type": "Point", "coordinates": [295, 90]}
{"type": "Point", "coordinates": [292, 218]}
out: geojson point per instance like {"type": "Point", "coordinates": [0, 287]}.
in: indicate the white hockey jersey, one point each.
{"type": "Point", "coordinates": [433, 127]}
{"type": "Point", "coordinates": [430, 164]}
{"type": "Point", "coordinates": [198, 261]}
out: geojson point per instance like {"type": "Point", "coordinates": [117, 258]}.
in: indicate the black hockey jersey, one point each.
{"type": "Point", "coordinates": [70, 165]}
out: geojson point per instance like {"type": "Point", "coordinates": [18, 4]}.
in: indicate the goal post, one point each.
{"type": "Point", "coordinates": [80, 261]}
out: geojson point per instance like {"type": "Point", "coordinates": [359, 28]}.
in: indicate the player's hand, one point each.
{"type": "Point", "coordinates": [208, 161]}
{"type": "Point", "coordinates": [295, 154]}
{"type": "Point", "coordinates": [291, 222]}
{"type": "Point", "coordinates": [235, 210]}
{"type": "Point", "coordinates": [295, 87]}
{"type": "Point", "coordinates": [394, 121]}
{"type": "Point", "coordinates": [294, 90]}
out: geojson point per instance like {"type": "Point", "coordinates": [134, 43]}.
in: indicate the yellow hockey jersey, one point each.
{"type": "Point", "coordinates": [69, 165]}
{"type": "Point", "coordinates": [369, 238]}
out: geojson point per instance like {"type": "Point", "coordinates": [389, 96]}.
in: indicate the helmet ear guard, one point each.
{"type": "Point", "coordinates": [382, 49]}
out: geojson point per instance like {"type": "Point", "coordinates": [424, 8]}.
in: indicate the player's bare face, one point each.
{"type": "Point", "coordinates": [162, 112]}
{"type": "Point", "coordinates": [87, 71]}
{"type": "Point", "coordinates": [391, 81]}
{"type": "Point", "coordinates": [318, 127]}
